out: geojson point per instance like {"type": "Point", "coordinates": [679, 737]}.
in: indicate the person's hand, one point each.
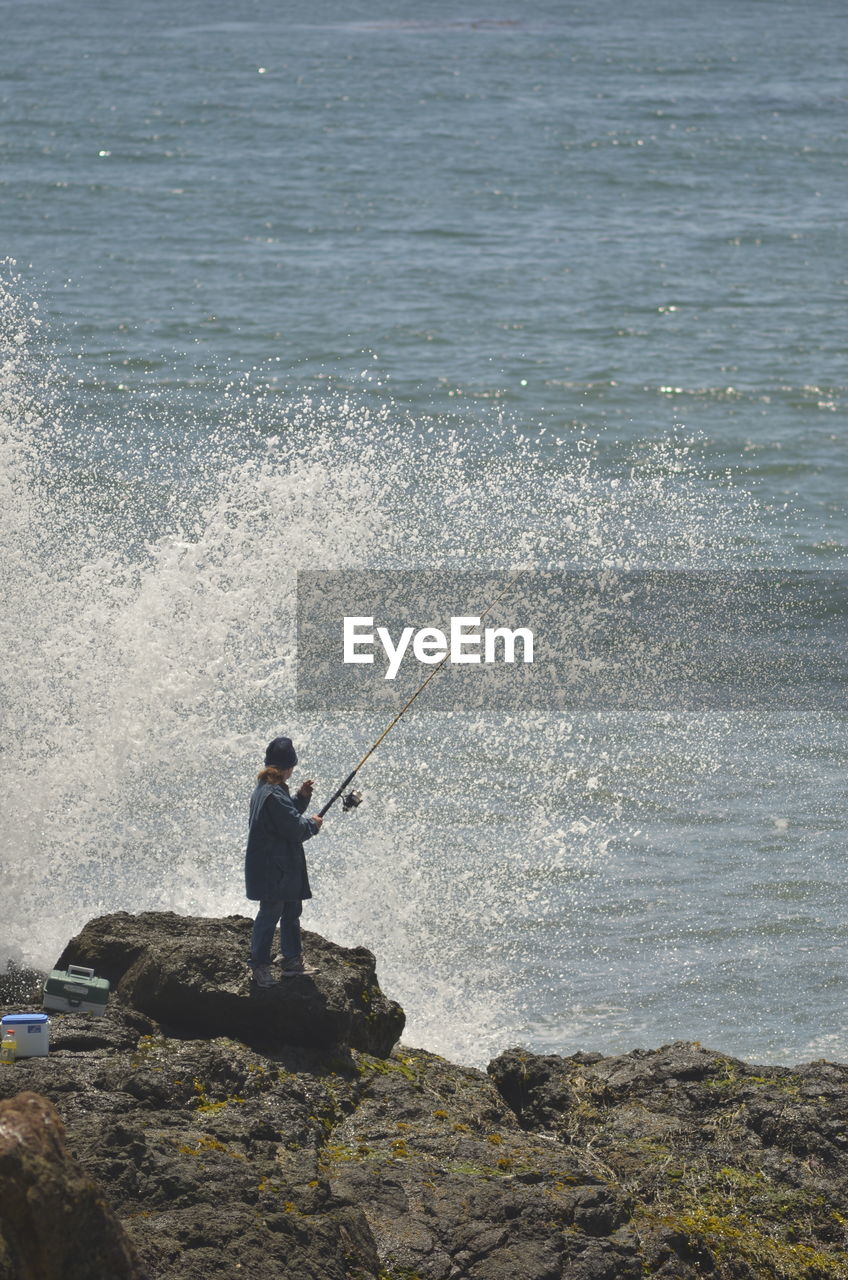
{"type": "Point", "coordinates": [305, 788]}
{"type": "Point", "coordinates": [319, 822]}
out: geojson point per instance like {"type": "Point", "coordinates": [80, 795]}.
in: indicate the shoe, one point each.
{"type": "Point", "coordinates": [281, 960]}
{"type": "Point", "coordinates": [264, 976]}
{"type": "Point", "coordinates": [296, 968]}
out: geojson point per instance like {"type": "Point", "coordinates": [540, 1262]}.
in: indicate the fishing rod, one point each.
{"type": "Point", "coordinates": [354, 798]}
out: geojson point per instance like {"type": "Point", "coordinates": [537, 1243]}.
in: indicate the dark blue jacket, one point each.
{"type": "Point", "coordinates": [275, 864]}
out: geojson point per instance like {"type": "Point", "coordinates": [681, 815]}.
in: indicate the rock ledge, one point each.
{"type": "Point", "coordinates": [189, 974]}
{"type": "Point", "coordinates": [227, 1152]}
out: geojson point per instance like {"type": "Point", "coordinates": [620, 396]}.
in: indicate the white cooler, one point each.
{"type": "Point", "coordinates": [32, 1033]}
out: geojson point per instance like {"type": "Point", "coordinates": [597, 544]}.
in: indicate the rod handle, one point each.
{"type": "Point", "coordinates": [334, 797]}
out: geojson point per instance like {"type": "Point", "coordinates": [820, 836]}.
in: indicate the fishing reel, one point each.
{"type": "Point", "coordinates": [352, 800]}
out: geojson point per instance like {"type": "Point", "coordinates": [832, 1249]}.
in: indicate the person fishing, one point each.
{"type": "Point", "coordinates": [275, 864]}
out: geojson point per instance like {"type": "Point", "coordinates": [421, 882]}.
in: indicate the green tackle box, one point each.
{"type": "Point", "coordinates": [76, 990]}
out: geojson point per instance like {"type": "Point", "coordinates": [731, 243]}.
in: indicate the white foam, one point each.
{"type": "Point", "coordinates": [149, 642]}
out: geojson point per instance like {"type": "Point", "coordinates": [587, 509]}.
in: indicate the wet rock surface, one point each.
{"type": "Point", "coordinates": [190, 975]}
{"type": "Point", "coordinates": [221, 1158]}
{"type": "Point", "coordinates": [732, 1170]}
{"type": "Point", "coordinates": [54, 1222]}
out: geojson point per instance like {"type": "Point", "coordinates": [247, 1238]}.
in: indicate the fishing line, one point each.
{"type": "Point", "coordinates": [354, 798]}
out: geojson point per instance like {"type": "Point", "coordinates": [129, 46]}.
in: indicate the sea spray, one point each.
{"type": "Point", "coordinates": [513, 873]}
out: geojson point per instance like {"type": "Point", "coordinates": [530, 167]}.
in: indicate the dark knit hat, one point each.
{"type": "Point", "coordinates": [280, 754]}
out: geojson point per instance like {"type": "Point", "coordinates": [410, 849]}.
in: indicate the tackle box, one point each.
{"type": "Point", "coordinates": [76, 990]}
{"type": "Point", "coordinates": [32, 1033]}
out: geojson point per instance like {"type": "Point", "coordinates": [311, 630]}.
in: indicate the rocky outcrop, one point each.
{"type": "Point", "coordinates": [190, 975]}
{"type": "Point", "coordinates": [220, 1159]}
{"type": "Point", "coordinates": [222, 1155]}
{"type": "Point", "coordinates": [452, 1186]}
{"type": "Point", "coordinates": [54, 1222]}
{"type": "Point", "coordinates": [733, 1171]}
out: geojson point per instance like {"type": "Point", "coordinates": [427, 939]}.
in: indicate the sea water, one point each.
{"type": "Point", "coordinates": [533, 285]}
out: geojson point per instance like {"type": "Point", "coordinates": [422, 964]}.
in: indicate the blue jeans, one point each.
{"type": "Point", "coordinates": [287, 911]}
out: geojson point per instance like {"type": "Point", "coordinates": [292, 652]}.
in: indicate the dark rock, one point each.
{"type": "Point", "coordinates": [735, 1171]}
{"type": "Point", "coordinates": [188, 1139]}
{"type": "Point", "coordinates": [54, 1222]}
{"type": "Point", "coordinates": [307, 1158]}
{"type": "Point", "coordinates": [451, 1186]}
{"type": "Point", "coordinates": [190, 975]}
{"type": "Point", "coordinates": [81, 1031]}
{"type": "Point", "coordinates": [219, 1158]}
{"type": "Point", "coordinates": [538, 1089]}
